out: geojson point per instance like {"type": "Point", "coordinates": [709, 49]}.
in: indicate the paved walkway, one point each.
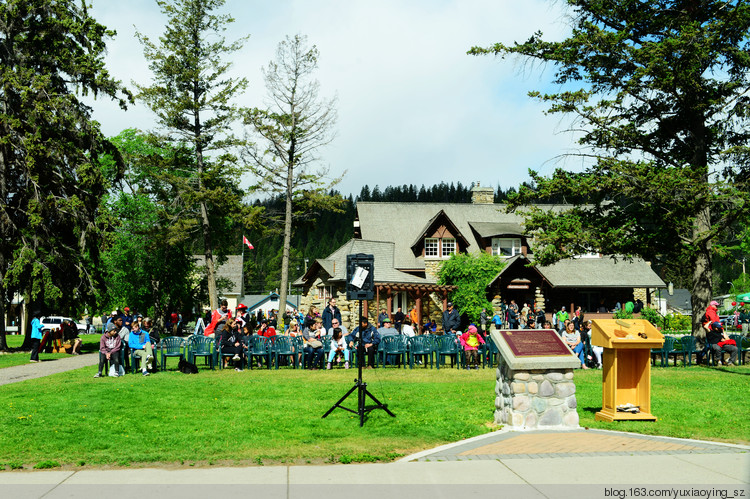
{"type": "Point", "coordinates": [577, 463]}
{"type": "Point", "coordinates": [33, 370]}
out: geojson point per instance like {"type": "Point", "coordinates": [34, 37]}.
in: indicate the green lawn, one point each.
{"type": "Point", "coordinates": [271, 417]}
{"type": "Point", "coordinates": [90, 344]}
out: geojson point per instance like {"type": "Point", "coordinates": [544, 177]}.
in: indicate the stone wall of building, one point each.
{"type": "Point", "coordinates": [431, 268]}
{"type": "Point", "coordinates": [482, 195]}
{"type": "Point", "coordinates": [540, 398]}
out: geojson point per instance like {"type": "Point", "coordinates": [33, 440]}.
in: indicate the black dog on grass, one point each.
{"type": "Point", "coordinates": [186, 367]}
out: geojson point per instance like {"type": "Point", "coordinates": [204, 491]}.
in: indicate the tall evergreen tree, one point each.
{"type": "Point", "coordinates": [51, 53]}
{"type": "Point", "coordinates": [663, 107]}
{"type": "Point", "coordinates": [191, 94]}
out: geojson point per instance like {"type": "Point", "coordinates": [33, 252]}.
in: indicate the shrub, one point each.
{"type": "Point", "coordinates": [44, 465]}
{"type": "Point", "coordinates": [652, 316]}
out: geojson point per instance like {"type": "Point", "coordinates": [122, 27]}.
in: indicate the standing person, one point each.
{"type": "Point", "coordinates": [562, 316]}
{"type": "Point", "coordinates": [541, 318]}
{"type": "Point", "coordinates": [525, 313]}
{"type": "Point", "coordinates": [243, 318]}
{"type": "Point", "coordinates": [497, 319]}
{"type": "Point", "coordinates": [513, 319]}
{"type": "Point", "coordinates": [329, 313]}
{"type": "Point", "coordinates": [221, 313]}
{"type": "Point", "coordinates": [382, 316]}
{"type": "Point", "coordinates": [483, 319]}
{"type": "Point", "coordinates": [744, 320]}
{"type": "Point", "coordinates": [414, 315]}
{"type": "Point", "coordinates": [451, 319]}
{"type": "Point", "coordinates": [398, 319]}
{"type": "Point", "coordinates": [370, 340]}
{"type": "Point", "coordinates": [109, 350]}
{"type": "Point", "coordinates": [36, 336]}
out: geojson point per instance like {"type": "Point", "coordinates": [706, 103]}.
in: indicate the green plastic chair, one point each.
{"type": "Point", "coordinates": [396, 346]}
{"type": "Point", "coordinates": [259, 347]}
{"type": "Point", "coordinates": [201, 346]}
{"type": "Point", "coordinates": [738, 338]}
{"type": "Point", "coordinates": [171, 346]}
{"type": "Point", "coordinates": [284, 346]}
{"type": "Point", "coordinates": [665, 350]}
{"type": "Point", "coordinates": [420, 345]}
{"type": "Point", "coordinates": [445, 346]}
{"type": "Point", "coordinates": [684, 346]}
{"type": "Point", "coordinates": [490, 353]}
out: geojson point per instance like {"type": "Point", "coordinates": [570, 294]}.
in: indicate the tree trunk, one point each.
{"type": "Point", "coordinates": [702, 278]}
{"type": "Point", "coordinates": [213, 297]}
{"type": "Point", "coordinates": [287, 234]}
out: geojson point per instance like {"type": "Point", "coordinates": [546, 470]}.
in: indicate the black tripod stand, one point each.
{"type": "Point", "coordinates": [360, 386]}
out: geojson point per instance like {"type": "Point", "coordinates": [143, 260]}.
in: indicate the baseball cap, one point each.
{"type": "Point", "coordinates": [715, 303]}
{"type": "Point", "coordinates": [111, 327]}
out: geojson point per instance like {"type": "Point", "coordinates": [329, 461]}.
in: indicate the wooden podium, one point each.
{"type": "Point", "coordinates": [626, 366]}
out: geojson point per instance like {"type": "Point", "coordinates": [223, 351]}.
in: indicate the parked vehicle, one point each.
{"type": "Point", "coordinates": [54, 321]}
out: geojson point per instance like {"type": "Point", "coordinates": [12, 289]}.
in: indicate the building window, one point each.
{"type": "Point", "coordinates": [325, 292]}
{"type": "Point", "coordinates": [506, 247]}
{"type": "Point", "coordinates": [431, 247]}
{"type": "Point", "coordinates": [449, 246]}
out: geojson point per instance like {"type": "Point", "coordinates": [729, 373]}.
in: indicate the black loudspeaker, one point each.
{"type": "Point", "coordinates": [359, 277]}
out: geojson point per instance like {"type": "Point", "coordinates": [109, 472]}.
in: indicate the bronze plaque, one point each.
{"type": "Point", "coordinates": [534, 342]}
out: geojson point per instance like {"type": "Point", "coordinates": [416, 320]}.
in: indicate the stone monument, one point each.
{"type": "Point", "coordinates": [535, 387]}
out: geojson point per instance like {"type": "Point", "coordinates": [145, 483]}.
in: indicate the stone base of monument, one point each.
{"type": "Point", "coordinates": [534, 390]}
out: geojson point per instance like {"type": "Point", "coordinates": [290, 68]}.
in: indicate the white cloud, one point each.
{"type": "Point", "coordinates": [412, 106]}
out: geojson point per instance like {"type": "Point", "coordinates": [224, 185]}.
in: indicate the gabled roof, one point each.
{"type": "Point", "coordinates": [490, 229]}
{"type": "Point", "coordinates": [403, 223]}
{"type": "Point", "coordinates": [384, 271]}
{"type": "Point", "coordinates": [429, 229]}
{"type": "Point", "coordinates": [255, 301]}
{"type": "Point", "coordinates": [605, 272]}
{"type": "Point", "coordinates": [602, 272]}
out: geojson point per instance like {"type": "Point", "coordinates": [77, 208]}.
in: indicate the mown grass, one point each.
{"type": "Point", "coordinates": [90, 343]}
{"type": "Point", "coordinates": [271, 417]}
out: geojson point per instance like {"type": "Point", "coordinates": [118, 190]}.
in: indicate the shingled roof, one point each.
{"type": "Point", "coordinates": [231, 269]}
{"type": "Point", "coordinates": [383, 252]}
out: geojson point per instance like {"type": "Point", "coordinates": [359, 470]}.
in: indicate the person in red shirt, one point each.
{"type": "Point", "coordinates": [266, 329]}
{"type": "Point", "coordinates": [220, 313]}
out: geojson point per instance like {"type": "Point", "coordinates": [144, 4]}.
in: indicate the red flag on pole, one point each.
{"type": "Point", "coordinates": [244, 240]}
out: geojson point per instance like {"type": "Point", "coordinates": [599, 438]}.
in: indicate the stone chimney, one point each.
{"type": "Point", "coordinates": [482, 195]}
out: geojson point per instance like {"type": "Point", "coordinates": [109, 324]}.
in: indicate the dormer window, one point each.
{"type": "Point", "coordinates": [439, 247]}
{"type": "Point", "coordinates": [506, 246]}
{"type": "Point", "coordinates": [431, 247]}
{"type": "Point", "coordinates": [448, 246]}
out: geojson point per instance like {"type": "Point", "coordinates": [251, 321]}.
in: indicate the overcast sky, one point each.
{"type": "Point", "coordinates": [413, 108]}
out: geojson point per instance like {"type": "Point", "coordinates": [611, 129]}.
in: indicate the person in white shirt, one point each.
{"type": "Point", "coordinates": [407, 329]}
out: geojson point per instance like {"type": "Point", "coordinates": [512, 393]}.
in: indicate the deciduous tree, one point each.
{"type": "Point", "coordinates": [659, 93]}
{"type": "Point", "coordinates": [290, 133]}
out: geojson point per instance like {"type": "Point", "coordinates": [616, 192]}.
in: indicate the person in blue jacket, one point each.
{"type": "Point", "coordinates": [370, 340]}
{"type": "Point", "coordinates": [36, 336]}
{"type": "Point", "coordinates": [140, 343]}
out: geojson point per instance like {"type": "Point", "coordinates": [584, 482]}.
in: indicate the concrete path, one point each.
{"type": "Point", "coordinates": [33, 370]}
{"type": "Point", "coordinates": [578, 463]}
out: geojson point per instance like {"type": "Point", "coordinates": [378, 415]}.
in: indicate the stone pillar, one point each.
{"type": "Point", "coordinates": [535, 398]}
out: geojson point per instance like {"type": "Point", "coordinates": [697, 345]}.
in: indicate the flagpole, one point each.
{"type": "Point", "coordinates": [242, 268]}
